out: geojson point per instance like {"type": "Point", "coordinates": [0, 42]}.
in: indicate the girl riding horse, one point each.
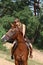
{"type": "Point", "coordinates": [22, 28]}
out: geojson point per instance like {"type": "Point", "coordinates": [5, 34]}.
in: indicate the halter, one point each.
{"type": "Point", "coordinates": [13, 32]}
{"type": "Point", "coordinates": [7, 35]}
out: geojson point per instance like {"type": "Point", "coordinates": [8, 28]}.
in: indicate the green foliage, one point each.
{"type": "Point", "coordinates": [41, 33]}
{"type": "Point", "coordinates": [11, 10]}
{"type": "Point", "coordinates": [2, 32]}
{"type": "Point", "coordinates": [6, 20]}
{"type": "Point", "coordinates": [8, 7]}
{"type": "Point", "coordinates": [23, 14]}
{"type": "Point", "coordinates": [33, 24]}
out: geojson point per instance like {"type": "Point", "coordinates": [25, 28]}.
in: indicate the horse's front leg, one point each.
{"type": "Point", "coordinates": [16, 62]}
{"type": "Point", "coordinates": [25, 63]}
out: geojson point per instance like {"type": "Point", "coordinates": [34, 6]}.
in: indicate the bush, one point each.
{"type": "Point", "coordinates": [6, 20]}
{"type": "Point", "coordinates": [33, 24]}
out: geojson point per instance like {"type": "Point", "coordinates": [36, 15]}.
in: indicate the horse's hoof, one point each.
{"type": "Point", "coordinates": [12, 57]}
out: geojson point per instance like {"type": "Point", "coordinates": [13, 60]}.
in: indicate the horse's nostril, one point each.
{"type": "Point", "coordinates": [3, 40]}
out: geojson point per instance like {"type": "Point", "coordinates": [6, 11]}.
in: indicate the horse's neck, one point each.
{"type": "Point", "coordinates": [20, 38]}
{"type": "Point", "coordinates": [21, 42]}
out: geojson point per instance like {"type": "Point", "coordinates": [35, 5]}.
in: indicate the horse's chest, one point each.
{"type": "Point", "coordinates": [21, 48]}
{"type": "Point", "coordinates": [21, 52]}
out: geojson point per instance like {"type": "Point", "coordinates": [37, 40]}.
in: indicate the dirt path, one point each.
{"type": "Point", "coordinates": [5, 62]}
{"type": "Point", "coordinates": [37, 56]}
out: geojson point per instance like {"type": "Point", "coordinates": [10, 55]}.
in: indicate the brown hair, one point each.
{"type": "Point", "coordinates": [17, 20]}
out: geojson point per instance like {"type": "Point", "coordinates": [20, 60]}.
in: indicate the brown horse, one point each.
{"type": "Point", "coordinates": [21, 52]}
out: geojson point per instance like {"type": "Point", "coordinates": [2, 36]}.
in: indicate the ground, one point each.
{"type": "Point", "coordinates": [5, 62]}
{"type": "Point", "coordinates": [38, 55]}
{"type": "Point", "coordinates": [36, 60]}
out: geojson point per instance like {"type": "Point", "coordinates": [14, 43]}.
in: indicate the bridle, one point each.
{"type": "Point", "coordinates": [13, 32]}
{"type": "Point", "coordinates": [8, 36]}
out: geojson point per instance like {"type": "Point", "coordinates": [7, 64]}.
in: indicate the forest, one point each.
{"type": "Point", "coordinates": [10, 10]}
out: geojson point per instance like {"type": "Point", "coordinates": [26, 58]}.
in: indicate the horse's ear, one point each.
{"type": "Point", "coordinates": [11, 25]}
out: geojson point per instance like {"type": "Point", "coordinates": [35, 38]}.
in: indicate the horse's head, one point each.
{"type": "Point", "coordinates": [11, 34]}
